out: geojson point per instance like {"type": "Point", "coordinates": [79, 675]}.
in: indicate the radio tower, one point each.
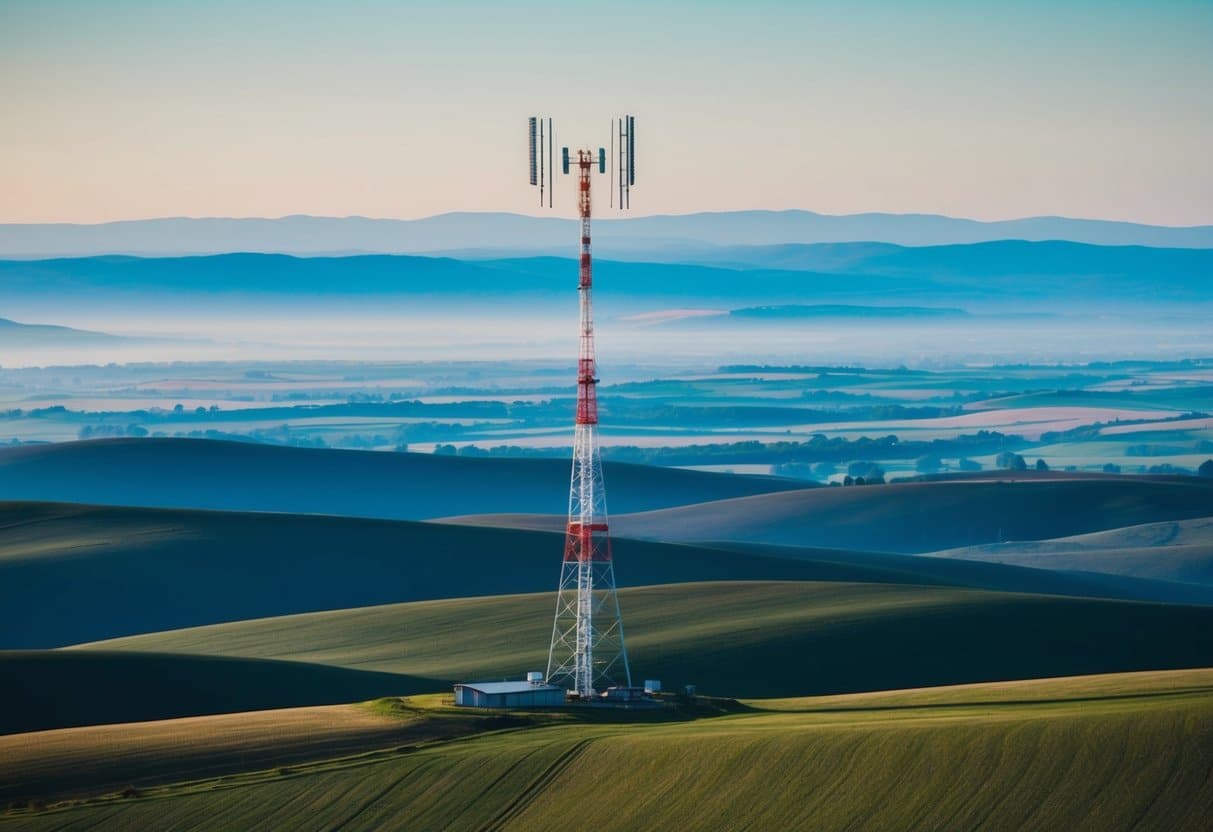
{"type": "Point", "coordinates": [587, 649]}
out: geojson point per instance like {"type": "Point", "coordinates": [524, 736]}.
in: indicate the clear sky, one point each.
{"type": "Point", "coordinates": [118, 110]}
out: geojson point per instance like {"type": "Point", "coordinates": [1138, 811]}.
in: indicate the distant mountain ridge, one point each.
{"type": "Point", "coordinates": [837, 273]}
{"type": "Point", "coordinates": [501, 233]}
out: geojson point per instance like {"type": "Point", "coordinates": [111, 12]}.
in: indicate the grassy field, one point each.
{"type": "Point", "coordinates": [296, 613]}
{"type": "Point", "coordinates": [76, 573]}
{"type": "Point", "coordinates": [71, 762]}
{"type": "Point", "coordinates": [757, 639]}
{"type": "Point", "coordinates": [1115, 753]}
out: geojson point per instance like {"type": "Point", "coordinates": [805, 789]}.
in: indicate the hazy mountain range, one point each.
{"type": "Point", "coordinates": [687, 237]}
{"type": "Point", "coordinates": [844, 272]}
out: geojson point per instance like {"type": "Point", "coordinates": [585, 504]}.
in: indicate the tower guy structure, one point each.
{"type": "Point", "coordinates": [587, 650]}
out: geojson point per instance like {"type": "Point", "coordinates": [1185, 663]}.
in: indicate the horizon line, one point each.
{"type": "Point", "coordinates": [889, 214]}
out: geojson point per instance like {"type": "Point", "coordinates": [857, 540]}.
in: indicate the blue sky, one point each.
{"type": "Point", "coordinates": [989, 110]}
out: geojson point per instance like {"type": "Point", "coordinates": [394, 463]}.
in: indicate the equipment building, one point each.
{"type": "Point", "coordinates": [529, 694]}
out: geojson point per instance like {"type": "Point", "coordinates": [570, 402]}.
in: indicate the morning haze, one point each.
{"type": "Point", "coordinates": [897, 379]}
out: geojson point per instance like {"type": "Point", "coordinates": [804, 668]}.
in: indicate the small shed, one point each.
{"type": "Point", "coordinates": [533, 694]}
{"type": "Point", "coordinates": [621, 694]}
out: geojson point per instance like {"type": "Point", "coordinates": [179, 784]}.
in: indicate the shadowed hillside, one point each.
{"type": "Point", "coordinates": [78, 573]}
{"type": "Point", "coordinates": [1178, 573]}
{"type": "Point", "coordinates": [198, 473]}
{"type": "Point", "coordinates": [53, 689]}
{"type": "Point", "coordinates": [918, 516]}
{"type": "Point", "coordinates": [754, 639]}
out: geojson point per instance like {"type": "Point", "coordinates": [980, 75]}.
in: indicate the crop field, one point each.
{"type": "Point", "coordinates": [1112, 753]}
{"type": "Point", "coordinates": [96, 759]}
{"type": "Point", "coordinates": [683, 414]}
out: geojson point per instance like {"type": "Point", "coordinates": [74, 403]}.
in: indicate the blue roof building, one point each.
{"type": "Point", "coordinates": [529, 694]}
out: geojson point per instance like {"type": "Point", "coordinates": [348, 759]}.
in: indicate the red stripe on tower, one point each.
{"type": "Point", "coordinates": [587, 648]}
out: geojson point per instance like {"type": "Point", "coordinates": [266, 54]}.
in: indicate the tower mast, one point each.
{"type": "Point", "coordinates": [587, 649]}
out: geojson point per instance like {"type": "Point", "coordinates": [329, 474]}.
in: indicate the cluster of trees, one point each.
{"type": "Point", "coordinates": [179, 410]}
{"type": "Point", "coordinates": [837, 450]}
{"type": "Point", "coordinates": [931, 463]}
{"type": "Point", "coordinates": [365, 442]}
{"type": "Point", "coordinates": [1152, 449]}
{"type": "Point", "coordinates": [796, 455]}
{"type": "Point", "coordinates": [1205, 469]}
{"type": "Point", "coordinates": [446, 421]}
{"type": "Point", "coordinates": [279, 436]}
{"type": "Point", "coordinates": [864, 473]}
{"type": "Point", "coordinates": [805, 369]}
{"type": "Point", "coordinates": [1014, 462]}
{"type": "Point", "coordinates": [99, 431]}
{"type": "Point", "coordinates": [1092, 431]}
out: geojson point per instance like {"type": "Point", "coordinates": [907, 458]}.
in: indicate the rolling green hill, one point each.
{"type": "Point", "coordinates": [917, 517]}
{"type": "Point", "coordinates": [1109, 754]}
{"type": "Point", "coordinates": [78, 573]}
{"type": "Point", "coordinates": [237, 476]}
{"type": "Point", "coordinates": [93, 760]}
{"type": "Point", "coordinates": [754, 639]}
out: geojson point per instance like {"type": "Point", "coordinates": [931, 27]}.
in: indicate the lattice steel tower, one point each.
{"type": "Point", "coordinates": [587, 649]}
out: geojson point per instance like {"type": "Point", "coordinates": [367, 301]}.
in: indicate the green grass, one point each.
{"type": "Point", "coordinates": [1111, 754]}
{"type": "Point", "coordinates": [71, 573]}
{"type": "Point", "coordinates": [95, 760]}
{"type": "Point", "coordinates": [86, 762]}
{"type": "Point", "coordinates": [756, 639]}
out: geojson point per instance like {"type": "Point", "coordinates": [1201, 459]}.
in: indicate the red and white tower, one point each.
{"type": "Point", "coordinates": [587, 650]}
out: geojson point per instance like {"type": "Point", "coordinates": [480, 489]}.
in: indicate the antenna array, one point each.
{"type": "Point", "coordinates": [619, 160]}
{"type": "Point", "coordinates": [543, 163]}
